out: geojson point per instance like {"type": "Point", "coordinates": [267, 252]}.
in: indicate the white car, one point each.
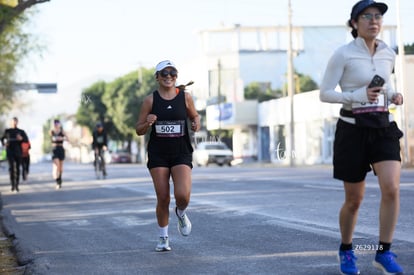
{"type": "Point", "coordinates": [212, 152]}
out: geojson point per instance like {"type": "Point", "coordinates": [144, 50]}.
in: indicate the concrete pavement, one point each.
{"type": "Point", "coordinates": [113, 231]}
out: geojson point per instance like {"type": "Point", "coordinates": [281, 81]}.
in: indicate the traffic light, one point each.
{"type": "Point", "coordinates": [10, 3]}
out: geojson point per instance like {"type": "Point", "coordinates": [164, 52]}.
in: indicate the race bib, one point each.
{"type": "Point", "coordinates": [368, 107]}
{"type": "Point", "coordinates": [169, 128]}
{"type": "Point", "coordinates": [100, 139]}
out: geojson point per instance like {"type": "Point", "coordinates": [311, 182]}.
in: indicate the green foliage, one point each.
{"type": "Point", "coordinates": [117, 104]}
{"type": "Point", "coordinates": [260, 91]}
{"type": "Point", "coordinates": [47, 141]}
{"type": "Point", "coordinates": [305, 83]}
{"type": "Point", "coordinates": [124, 97]}
{"type": "Point", "coordinates": [263, 92]}
{"type": "Point", "coordinates": [15, 46]}
{"type": "Point", "coordinates": [92, 109]}
{"type": "Point", "coordinates": [409, 49]}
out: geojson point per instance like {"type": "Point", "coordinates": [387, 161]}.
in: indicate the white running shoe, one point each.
{"type": "Point", "coordinates": [163, 245]}
{"type": "Point", "coordinates": [184, 224]}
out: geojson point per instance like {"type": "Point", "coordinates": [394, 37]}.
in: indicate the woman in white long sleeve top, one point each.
{"type": "Point", "coordinates": [366, 134]}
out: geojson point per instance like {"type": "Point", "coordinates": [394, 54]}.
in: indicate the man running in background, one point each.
{"type": "Point", "coordinates": [12, 139]}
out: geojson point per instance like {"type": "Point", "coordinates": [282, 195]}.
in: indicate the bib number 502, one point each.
{"type": "Point", "coordinates": [167, 129]}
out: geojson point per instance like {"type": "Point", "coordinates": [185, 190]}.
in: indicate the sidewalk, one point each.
{"type": "Point", "coordinates": [8, 261]}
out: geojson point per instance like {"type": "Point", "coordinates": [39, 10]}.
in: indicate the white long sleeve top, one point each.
{"type": "Point", "coordinates": [352, 67]}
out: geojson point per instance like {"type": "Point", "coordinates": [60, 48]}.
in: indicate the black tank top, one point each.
{"type": "Point", "coordinates": [169, 134]}
{"type": "Point", "coordinates": [54, 138]}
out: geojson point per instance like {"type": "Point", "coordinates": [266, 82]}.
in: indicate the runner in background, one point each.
{"type": "Point", "coordinates": [58, 137]}
{"type": "Point", "coordinates": [26, 146]}
{"type": "Point", "coordinates": [12, 139]}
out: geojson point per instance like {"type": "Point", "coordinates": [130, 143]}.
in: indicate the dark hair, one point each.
{"type": "Point", "coordinates": [354, 32]}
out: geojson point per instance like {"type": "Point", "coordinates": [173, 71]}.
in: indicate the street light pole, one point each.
{"type": "Point", "coordinates": [290, 80]}
{"type": "Point", "coordinates": [219, 91]}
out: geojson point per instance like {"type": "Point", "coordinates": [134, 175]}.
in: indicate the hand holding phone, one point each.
{"type": "Point", "coordinates": [377, 81]}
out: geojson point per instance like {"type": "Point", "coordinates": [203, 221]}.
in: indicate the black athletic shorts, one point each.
{"type": "Point", "coordinates": [157, 160]}
{"type": "Point", "coordinates": [58, 153]}
{"type": "Point", "coordinates": [356, 148]}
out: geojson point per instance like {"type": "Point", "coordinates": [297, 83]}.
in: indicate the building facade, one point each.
{"type": "Point", "coordinates": [237, 56]}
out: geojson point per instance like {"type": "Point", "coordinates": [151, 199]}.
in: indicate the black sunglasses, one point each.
{"type": "Point", "coordinates": [165, 73]}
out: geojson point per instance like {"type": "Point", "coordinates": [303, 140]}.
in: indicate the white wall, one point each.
{"type": "Point", "coordinates": [313, 128]}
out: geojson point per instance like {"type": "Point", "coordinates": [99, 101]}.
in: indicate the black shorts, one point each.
{"type": "Point", "coordinates": [157, 160]}
{"type": "Point", "coordinates": [356, 148]}
{"type": "Point", "coordinates": [58, 153]}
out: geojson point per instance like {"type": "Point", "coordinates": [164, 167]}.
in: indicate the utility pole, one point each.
{"type": "Point", "coordinates": [401, 87]}
{"type": "Point", "coordinates": [219, 91]}
{"type": "Point", "coordinates": [141, 139]}
{"type": "Point", "coordinates": [290, 85]}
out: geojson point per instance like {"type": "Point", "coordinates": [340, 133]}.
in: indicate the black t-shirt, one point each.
{"type": "Point", "coordinates": [99, 139]}
{"type": "Point", "coordinates": [169, 134]}
{"type": "Point", "coordinates": [13, 144]}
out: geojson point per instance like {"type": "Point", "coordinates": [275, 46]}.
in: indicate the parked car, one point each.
{"type": "Point", "coordinates": [212, 152]}
{"type": "Point", "coordinates": [121, 156]}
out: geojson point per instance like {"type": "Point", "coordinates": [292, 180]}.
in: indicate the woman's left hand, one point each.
{"type": "Point", "coordinates": [397, 99]}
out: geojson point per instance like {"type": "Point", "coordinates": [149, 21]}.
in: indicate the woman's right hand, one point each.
{"type": "Point", "coordinates": [151, 118]}
{"type": "Point", "coordinates": [373, 93]}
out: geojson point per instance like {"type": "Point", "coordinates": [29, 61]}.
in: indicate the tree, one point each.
{"type": "Point", "coordinates": [261, 92]}
{"type": "Point", "coordinates": [116, 104]}
{"type": "Point", "coordinates": [15, 45]}
{"type": "Point", "coordinates": [47, 141]}
{"type": "Point", "coordinates": [124, 97]}
{"type": "Point", "coordinates": [9, 14]}
{"type": "Point", "coordinates": [409, 49]}
{"type": "Point", "coordinates": [305, 83]}
{"type": "Point", "coordinates": [92, 109]}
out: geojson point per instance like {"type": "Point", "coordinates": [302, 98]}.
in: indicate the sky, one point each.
{"type": "Point", "coordinates": [106, 37]}
{"type": "Point", "coordinates": [90, 40]}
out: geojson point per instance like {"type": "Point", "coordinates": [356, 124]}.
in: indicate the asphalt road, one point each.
{"type": "Point", "coordinates": [246, 220]}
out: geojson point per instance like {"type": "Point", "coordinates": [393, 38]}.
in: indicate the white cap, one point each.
{"type": "Point", "coordinates": [164, 64]}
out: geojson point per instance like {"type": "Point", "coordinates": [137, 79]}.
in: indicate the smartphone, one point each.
{"type": "Point", "coordinates": [376, 81]}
